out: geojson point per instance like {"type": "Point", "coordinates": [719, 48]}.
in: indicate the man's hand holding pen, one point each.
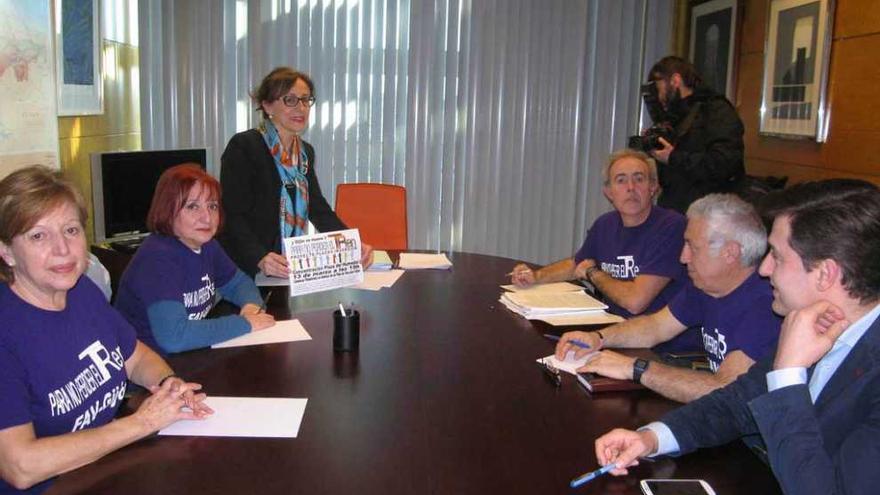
{"type": "Point", "coordinates": [522, 275]}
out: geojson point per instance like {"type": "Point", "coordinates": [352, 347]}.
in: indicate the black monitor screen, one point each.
{"type": "Point", "coordinates": [128, 181]}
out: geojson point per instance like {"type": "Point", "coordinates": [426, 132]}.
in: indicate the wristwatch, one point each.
{"type": "Point", "coordinates": [589, 273]}
{"type": "Point", "coordinates": [639, 367]}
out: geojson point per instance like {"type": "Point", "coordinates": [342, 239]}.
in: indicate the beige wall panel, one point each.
{"type": "Point", "coordinates": [799, 173]}
{"type": "Point", "coordinates": [794, 172]}
{"type": "Point", "coordinates": [751, 72]}
{"type": "Point", "coordinates": [856, 18]}
{"type": "Point", "coordinates": [855, 74]}
{"type": "Point", "coordinates": [754, 24]}
{"type": "Point", "coordinates": [855, 152]}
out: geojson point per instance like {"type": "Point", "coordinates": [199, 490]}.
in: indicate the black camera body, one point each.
{"type": "Point", "coordinates": [662, 128]}
{"type": "Point", "coordinates": [650, 139]}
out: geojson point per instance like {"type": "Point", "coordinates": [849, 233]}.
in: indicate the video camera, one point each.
{"type": "Point", "coordinates": [662, 128]}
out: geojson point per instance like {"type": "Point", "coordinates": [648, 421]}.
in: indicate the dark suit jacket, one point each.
{"type": "Point", "coordinates": [832, 447]}
{"type": "Point", "coordinates": [251, 200]}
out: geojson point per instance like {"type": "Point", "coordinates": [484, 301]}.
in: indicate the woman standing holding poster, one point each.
{"type": "Point", "coordinates": [270, 189]}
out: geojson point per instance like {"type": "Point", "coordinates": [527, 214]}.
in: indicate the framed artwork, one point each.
{"type": "Point", "coordinates": [78, 57]}
{"type": "Point", "coordinates": [796, 55]}
{"type": "Point", "coordinates": [713, 37]}
{"type": "Point", "coordinates": [28, 121]}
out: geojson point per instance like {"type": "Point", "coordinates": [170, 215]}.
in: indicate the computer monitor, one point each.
{"type": "Point", "coordinates": [122, 189]}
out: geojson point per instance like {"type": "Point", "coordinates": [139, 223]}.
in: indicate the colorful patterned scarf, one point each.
{"type": "Point", "coordinates": [294, 207]}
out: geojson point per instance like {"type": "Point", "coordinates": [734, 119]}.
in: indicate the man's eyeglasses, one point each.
{"type": "Point", "coordinates": [293, 101]}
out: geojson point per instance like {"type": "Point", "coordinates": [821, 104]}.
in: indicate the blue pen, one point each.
{"type": "Point", "coordinates": [572, 342]}
{"type": "Point", "coordinates": [591, 476]}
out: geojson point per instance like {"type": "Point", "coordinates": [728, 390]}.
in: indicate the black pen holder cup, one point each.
{"type": "Point", "coordinates": [346, 331]}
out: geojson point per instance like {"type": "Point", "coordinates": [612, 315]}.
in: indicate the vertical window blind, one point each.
{"type": "Point", "coordinates": [496, 115]}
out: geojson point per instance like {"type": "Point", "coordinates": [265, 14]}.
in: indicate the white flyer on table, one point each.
{"type": "Point", "coordinates": [244, 417]}
{"type": "Point", "coordinates": [282, 331]}
{"type": "Point", "coordinates": [324, 261]}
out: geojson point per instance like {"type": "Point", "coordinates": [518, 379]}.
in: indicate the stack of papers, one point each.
{"type": "Point", "coordinates": [588, 318]}
{"type": "Point", "coordinates": [422, 261]}
{"type": "Point", "coordinates": [550, 287]}
{"type": "Point", "coordinates": [534, 305]}
{"type": "Point", "coordinates": [557, 303]}
{"type": "Point", "coordinates": [381, 262]}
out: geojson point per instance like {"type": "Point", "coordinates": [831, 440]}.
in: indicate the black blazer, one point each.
{"type": "Point", "coordinates": [252, 197]}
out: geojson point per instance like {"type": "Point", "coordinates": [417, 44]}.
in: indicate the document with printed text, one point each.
{"type": "Point", "coordinates": [324, 261]}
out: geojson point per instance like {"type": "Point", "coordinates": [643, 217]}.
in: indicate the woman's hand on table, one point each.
{"type": "Point", "coordinates": [174, 400]}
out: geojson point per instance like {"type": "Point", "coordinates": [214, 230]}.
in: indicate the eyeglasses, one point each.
{"type": "Point", "coordinates": [293, 101]}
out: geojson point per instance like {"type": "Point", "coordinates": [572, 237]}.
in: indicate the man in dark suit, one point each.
{"type": "Point", "coordinates": [816, 404]}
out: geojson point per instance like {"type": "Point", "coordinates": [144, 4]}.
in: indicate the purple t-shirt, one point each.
{"type": "Point", "coordinates": [165, 269]}
{"type": "Point", "coordinates": [62, 371]}
{"type": "Point", "coordinates": [741, 320]}
{"type": "Point", "coordinates": [652, 248]}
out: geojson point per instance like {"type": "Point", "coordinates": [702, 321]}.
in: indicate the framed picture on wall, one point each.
{"type": "Point", "coordinates": [713, 38]}
{"type": "Point", "coordinates": [28, 121]}
{"type": "Point", "coordinates": [796, 55]}
{"type": "Point", "coordinates": [78, 57]}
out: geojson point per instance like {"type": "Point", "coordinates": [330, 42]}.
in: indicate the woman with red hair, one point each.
{"type": "Point", "coordinates": [180, 271]}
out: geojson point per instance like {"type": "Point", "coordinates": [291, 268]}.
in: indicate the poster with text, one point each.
{"type": "Point", "coordinates": [324, 261]}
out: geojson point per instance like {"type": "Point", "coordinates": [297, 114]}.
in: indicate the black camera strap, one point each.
{"type": "Point", "coordinates": [688, 121]}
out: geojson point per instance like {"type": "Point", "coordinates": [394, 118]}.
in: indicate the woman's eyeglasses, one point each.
{"type": "Point", "coordinates": [293, 101]}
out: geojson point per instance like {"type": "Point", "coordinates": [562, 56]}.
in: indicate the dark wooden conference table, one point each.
{"type": "Point", "coordinates": [443, 397]}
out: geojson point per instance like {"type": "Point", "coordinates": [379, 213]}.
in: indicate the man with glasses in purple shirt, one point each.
{"type": "Point", "coordinates": [630, 255]}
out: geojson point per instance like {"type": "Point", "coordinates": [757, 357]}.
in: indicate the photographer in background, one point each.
{"type": "Point", "coordinates": [697, 137]}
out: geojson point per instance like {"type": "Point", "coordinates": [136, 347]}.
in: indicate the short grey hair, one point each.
{"type": "Point", "coordinates": [730, 218]}
{"type": "Point", "coordinates": [629, 153]}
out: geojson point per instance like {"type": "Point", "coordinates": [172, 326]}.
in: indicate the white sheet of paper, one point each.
{"type": "Point", "coordinates": [245, 417]}
{"type": "Point", "coordinates": [569, 364]}
{"type": "Point", "coordinates": [378, 280]}
{"type": "Point", "coordinates": [282, 331]}
{"type": "Point", "coordinates": [551, 287]}
{"type": "Point", "coordinates": [263, 280]}
{"type": "Point", "coordinates": [592, 318]}
{"type": "Point", "coordinates": [423, 261]}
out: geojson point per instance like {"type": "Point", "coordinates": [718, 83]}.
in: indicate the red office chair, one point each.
{"type": "Point", "coordinates": [377, 210]}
